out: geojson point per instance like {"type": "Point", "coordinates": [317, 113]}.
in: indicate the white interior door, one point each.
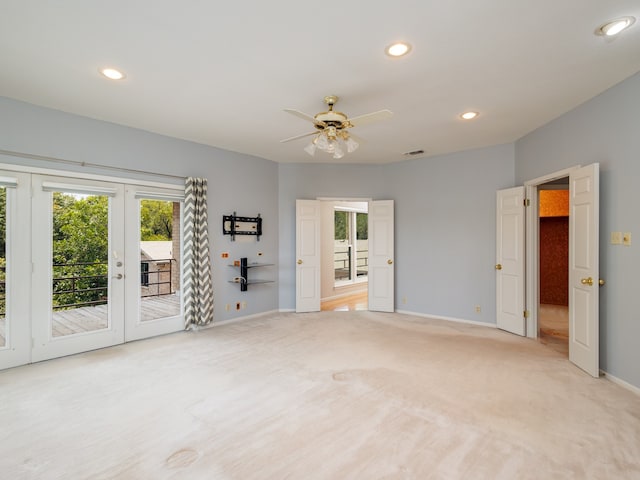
{"type": "Point", "coordinates": [584, 268]}
{"type": "Point", "coordinates": [307, 256]}
{"type": "Point", "coordinates": [15, 269]}
{"type": "Point", "coordinates": [153, 263]}
{"type": "Point", "coordinates": [510, 260]}
{"type": "Point", "coordinates": [78, 284]}
{"type": "Point", "coordinates": [381, 256]}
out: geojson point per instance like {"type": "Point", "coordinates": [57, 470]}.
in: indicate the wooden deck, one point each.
{"type": "Point", "coordinates": [87, 319]}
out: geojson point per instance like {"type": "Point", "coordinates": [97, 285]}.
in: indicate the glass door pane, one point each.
{"type": "Point", "coordinates": [362, 245]}
{"type": "Point", "coordinates": [159, 259]}
{"type": "Point", "coordinates": [80, 263]}
{"type": "Point", "coordinates": [342, 246]}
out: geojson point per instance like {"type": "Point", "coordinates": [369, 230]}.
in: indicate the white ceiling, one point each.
{"type": "Point", "coordinates": [220, 73]}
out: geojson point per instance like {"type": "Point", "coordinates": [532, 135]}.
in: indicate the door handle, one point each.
{"type": "Point", "coordinates": [390, 262]}
{"type": "Point", "coordinates": [601, 282]}
{"type": "Point", "coordinates": [587, 281]}
{"type": "Point", "coordinates": [118, 276]}
{"type": "Point", "coordinates": [498, 267]}
{"type": "Point", "coordinates": [299, 262]}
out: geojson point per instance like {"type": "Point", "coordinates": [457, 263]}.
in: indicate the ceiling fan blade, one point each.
{"type": "Point", "coordinates": [297, 137]}
{"type": "Point", "coordinates": [304, 116]}
{"type": "Point", "coordinates": [368, 118]}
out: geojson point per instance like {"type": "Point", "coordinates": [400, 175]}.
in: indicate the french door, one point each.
{"type": "Point", "coordinates": [105, 265]}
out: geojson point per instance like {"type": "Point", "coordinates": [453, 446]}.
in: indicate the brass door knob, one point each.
{"type": "Point", "coordinates": [601, 282]}
{"type": "Point", "coordinates": [299, 262]}
{"type": "Point", "coordinates": [587, 281]}
{"type": "Point", "coordinates": [498, 267]}
{"type": "Point", "coordinates": [390, 262]}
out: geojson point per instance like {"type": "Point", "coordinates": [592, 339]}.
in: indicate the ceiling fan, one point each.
{"type": "Point", "coordinates": [332, 135]}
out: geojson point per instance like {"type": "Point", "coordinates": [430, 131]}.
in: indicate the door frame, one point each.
{"type": "Point", "coordinates": [532, 247]}
{"type": "Point", "coordinates": [20, 351]}
{"type": "Point", "coordinates": [369, 201]}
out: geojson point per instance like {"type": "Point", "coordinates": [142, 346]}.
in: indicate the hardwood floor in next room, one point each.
{"type": "Point", "coordinates": [357, 301]}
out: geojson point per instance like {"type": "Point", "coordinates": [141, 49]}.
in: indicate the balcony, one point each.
{"type": "Point", "coordinates": [80, 295]}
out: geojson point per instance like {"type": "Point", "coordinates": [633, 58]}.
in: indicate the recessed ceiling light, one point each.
{"type": "Point", "coordinates": [469, 115]}
{"type": "Point", "coordinates": [614, 27]}
{"type": "Point", "coordinates": [398, 49]}
{"type": "Point", "coordinates": [112, 73]}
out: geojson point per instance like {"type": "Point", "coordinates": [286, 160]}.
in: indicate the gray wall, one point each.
{"type": "Point", "coordinates": [444, 229]}
{"type": "Point", "coordinates": [605, 130]}
{"type": "Point", "coordinates": [246, 184]}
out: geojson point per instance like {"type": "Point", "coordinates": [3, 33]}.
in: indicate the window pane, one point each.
{"type": "Point", "coordinates": [342, 247]}
{"type": "Point", "coordinates": [362, 245]}
{"type": "Point", "coordinates": [159, 259]}
{"type": "Point", "coordinates": [80, 282]}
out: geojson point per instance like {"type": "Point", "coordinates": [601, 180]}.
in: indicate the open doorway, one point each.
{"type": "Point", "coordinates": [345, 259]}
{"type": "Point", "coordinates": [553, 256]}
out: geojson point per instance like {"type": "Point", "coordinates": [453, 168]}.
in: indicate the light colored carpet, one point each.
{"type": "Point", "coordinates": [346, 395]}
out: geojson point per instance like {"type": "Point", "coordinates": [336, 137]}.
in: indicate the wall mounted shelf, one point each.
{"type": "Point", "coordinates": [237, 225]}
{"type": "Point", "coordinates": [244, 272]}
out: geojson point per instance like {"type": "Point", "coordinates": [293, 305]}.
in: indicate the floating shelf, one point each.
{"type": "Point", "coordinates": [244, 272]}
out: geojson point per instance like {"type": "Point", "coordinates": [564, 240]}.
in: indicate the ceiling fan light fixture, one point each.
{"type": "Point", "coordinates": [614, 27]}
{"type": "Point", "coordinates": [351, 144]}
{"type": "Point", "coordinates": [398, 49]}
{"type": "Point", "coordinates": [311, 148]}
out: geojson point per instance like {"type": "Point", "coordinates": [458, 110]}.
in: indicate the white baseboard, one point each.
{"type": "Point", "coordinates": [622, 383]}
{"type": "Point", "coordinates": [448, 319]}
{"type": "Point", "coordinates": [242, 319]}
{"type": "Point", "coordinates": [287, 310]}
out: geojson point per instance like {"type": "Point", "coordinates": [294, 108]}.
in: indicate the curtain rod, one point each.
{"type": "Point", "coordinates": [33, 156]}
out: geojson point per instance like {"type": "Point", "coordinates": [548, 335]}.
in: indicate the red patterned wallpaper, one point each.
{"type": "Point", "coordinates": [554, 260]}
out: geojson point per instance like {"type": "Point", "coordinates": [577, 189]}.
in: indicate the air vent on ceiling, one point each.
{"type": "Point", "coordinates": [413, 153]}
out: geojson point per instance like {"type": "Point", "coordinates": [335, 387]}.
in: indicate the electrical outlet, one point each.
{"type": "Point", "coordinates": [227, 307]}
{"type": "Point", "coordinates": [260, 254]}
{"type": "Point", "coordinates": [478, 309]}
{"type": "Point", "coordinates": [243, 305]}
{"type": "Point", "coordinates": [224, 255]}
{"type": "Point", "coordinates": [616, 238]}
{"type": "Point", "coordinates": [404, 300]}
{"type": "Point", "coordinates": [626, 238]}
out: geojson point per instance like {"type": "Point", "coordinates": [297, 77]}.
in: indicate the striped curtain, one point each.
{"type": "Point", "coordinates": [198, 287]}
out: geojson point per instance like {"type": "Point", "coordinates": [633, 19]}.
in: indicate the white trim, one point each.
{"type": "Point", "coordinates": [8, 182]}
{"type": "Point", "coordinates": [448, 319]}
{"type": "Point", "coordinates": [87, 176]}
{"type": "Point", "coordinates": [286, 310]}
{"type": "Point", "coordinates": [344, 199]}
{"type": "Point", "coordinates": [74, 188]}
{"type": "Point", "coordinates": [239, 319]}
{"type": "Point", "coordinates": [551, 176]}
{"type": "Point", "coordinates": [140, 194]}
{"type": "Point", "coordinates": [532, 248]}
{"type": "Point", "coordinates": [620, 382]}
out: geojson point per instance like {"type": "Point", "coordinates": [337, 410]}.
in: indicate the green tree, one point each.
{"type": "Point", "coordinates": [80, 248]}
{"type": "Point", "coordinates": [155, 219]}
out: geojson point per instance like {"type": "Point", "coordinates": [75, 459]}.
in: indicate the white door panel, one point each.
{"type": "Point", "coordinates": [584, 268]}
{"type": "Point", "coordinates": [15, 273]}
{"type": "Point", "coordinates": [307, 256]}
{"type": "Point", "coordinates": [63, 327]}
{"type": "Point", "coordinates": [510, 260]}
{"type": "Point", "coordinates": [381, 256]}
{"type": "Point", "coordinates": [154, 300]}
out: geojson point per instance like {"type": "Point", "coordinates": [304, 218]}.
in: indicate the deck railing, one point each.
{"type": "Point", "coordinates": [342, 263]}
